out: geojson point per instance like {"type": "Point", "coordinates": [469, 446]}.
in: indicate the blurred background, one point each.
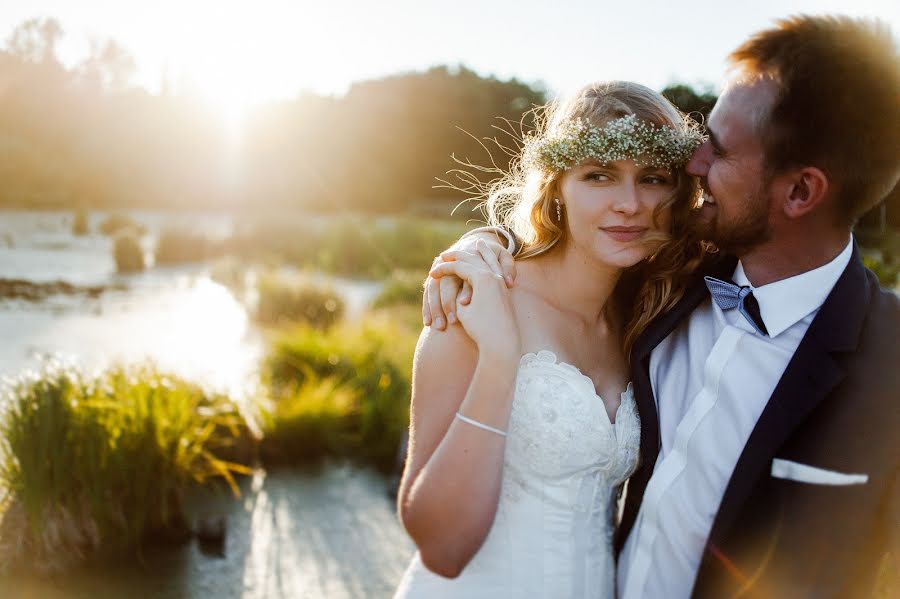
{"type": "Point", "coordinates": [215, 218]}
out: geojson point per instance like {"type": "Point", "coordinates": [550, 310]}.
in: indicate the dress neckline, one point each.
{"type": "Point", "coordinates": [546, 356]}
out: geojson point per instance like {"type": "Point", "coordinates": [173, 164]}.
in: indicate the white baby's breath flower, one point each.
{"type": "Point", "coordinates": [577, 140]}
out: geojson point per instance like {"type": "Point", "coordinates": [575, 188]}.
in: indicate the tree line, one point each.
{"type": "Point", "coordinates": [84, 137]}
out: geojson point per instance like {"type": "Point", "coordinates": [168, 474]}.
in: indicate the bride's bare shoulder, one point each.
{"type": "Point", "coordinates": [450, 350]}
{"type": "Point", "coordinates": [528, 292]}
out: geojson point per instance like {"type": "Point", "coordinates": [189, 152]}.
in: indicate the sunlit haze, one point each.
{"type": "Point", "coordinates": [236, 54]}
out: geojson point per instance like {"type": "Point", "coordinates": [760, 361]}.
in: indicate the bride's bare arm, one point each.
{"type": "Point", "coordinates": [451, 485]}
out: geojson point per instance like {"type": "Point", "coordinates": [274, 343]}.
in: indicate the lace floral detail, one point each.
{"type": "Point", "coordinates": [629, 436]}
{"type": "Point", "coordinates": [559, 429]}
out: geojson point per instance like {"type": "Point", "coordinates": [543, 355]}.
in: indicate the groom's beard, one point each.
{"type": "Point", "coordinates": [738, 234]}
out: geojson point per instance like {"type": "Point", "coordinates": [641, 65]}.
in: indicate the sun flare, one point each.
{"type": "Point", "coordinates": [230, 67]}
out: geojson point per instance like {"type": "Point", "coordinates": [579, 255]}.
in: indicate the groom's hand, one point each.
{"type": "Point", "coordinates": [442, 294]}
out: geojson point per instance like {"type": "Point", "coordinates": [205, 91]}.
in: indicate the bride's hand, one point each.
{"type": "Point", "coordinates": [440, 296]}
{"type": "Point", "coordinates": [488, 318]}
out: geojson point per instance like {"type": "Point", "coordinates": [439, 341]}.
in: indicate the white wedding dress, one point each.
{"type": "Point", "coordinates": [564, 465]}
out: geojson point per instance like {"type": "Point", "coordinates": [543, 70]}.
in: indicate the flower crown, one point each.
{"type": "Point", "coordinates": [625, 138]}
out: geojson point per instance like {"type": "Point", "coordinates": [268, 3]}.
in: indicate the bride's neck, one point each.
{"type": "Point", "coordinates": [574, 283]}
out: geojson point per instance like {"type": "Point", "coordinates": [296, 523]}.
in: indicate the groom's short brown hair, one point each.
{"type": "Point", "coordinates": [838, 106]}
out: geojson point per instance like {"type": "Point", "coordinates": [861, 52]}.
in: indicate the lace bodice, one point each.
{"type": "Point", "coordinates": [564, 464]}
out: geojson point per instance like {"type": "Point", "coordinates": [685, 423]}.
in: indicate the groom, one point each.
{"type": "Point", "coordinates": [771, 409]}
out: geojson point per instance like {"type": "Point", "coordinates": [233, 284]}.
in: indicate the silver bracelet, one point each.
{"type": "Point", "coordinates": [510, 243]}
{"type": "Point", "coordinates": [481, 425]}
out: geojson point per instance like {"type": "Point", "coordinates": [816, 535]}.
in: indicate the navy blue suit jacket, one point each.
{"type": "Point", "coordinates": [837, 407]}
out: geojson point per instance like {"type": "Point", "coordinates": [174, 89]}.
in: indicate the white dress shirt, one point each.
{"type": "Point", "coordinates": [712, 377]}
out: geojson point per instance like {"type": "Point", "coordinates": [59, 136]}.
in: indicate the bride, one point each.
{"type": "Point", "coordinates": [523, 424]}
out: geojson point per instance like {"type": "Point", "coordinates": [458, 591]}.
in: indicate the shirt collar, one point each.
{"type": "Point", "coordinates": [784, 303]}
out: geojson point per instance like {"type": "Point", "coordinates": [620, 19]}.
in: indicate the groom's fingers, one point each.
{"type": "Point", "coordinates": [458, 256]}
{"type": "Point", "coordinates": [508, 266]}
{"type": "Point", "coordinates": [433, 314]}
{"type": "Point", "coordinates": [455, 270]}
{"type": "Point", "coordinates": [449, 290]}
{"type": "Point", "coordinates": [502, 264]}
{"type": "Point", "coordinates": [489, 258]}
{"type": "Point", "coordinates": [465, 296]}
{"type": "Point", "coordinates": [473, 273]}
{"type": "Point", "coordinates": [443, 300]}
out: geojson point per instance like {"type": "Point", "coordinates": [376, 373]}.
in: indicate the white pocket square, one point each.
{"type": "Point", "coordinates": [789, 470]}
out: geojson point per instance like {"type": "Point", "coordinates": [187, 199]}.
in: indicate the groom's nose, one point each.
{"type": "Point", "coordinates": [698, 165]}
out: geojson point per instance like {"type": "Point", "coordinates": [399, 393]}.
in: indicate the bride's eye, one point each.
{"type": "Point", "coordinates": [658, 179]}
{"type": "Point", "coordinates": [597, 176]}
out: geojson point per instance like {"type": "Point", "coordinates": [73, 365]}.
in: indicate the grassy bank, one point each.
{"type": "Point", "coordinates": [283, 302]}
{"type": "Point", "coordinates": [344, 392]}
{"type": "Point", "coordinates": [97, 466]}
{"type": "Point", "coordinates": [402, 288]}
{"type": "Point", "coordinates": [93, 467]}
{"type": "Point", "coordinates": [350, 246]}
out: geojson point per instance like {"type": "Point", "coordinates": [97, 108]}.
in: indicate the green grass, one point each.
{"type": "Point", "coordinates": [350, 246]}
{"type": "Point", "coordinates": [404, 287]}
{"type": "Point", "coordinates": [314, 419]}
{"type": "Point", "coordinates": [888, 271]}
{"type": "Point", "coordinates": [284, 302]}
{"type": "Point", "coordinates": [98, 466]}
{"type": "Point", "coordinates": [353, 379]}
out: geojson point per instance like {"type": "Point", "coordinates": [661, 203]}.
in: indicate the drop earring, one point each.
{"type": "Point", "coordinates": [558, 210]}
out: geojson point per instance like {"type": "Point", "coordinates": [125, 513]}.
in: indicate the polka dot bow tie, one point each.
{"type": "Point", "coordinates": [729, 296]}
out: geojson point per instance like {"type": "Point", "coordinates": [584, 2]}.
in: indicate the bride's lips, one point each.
{"type": "Point", "coordinates": [624, 233]}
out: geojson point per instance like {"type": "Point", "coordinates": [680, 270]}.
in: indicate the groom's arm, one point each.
{"type": "Point", "coordinates": [495, 246]}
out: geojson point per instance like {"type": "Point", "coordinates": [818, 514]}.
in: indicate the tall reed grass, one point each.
{"type": "Point", "coordinates": [282, 302]}
{"type": "Point", "coordinates": [345, 391]}
{"type": "Point", "coordinates": [98, 465]}
{"type": "Point", "coordinates": [404, 287]}
{"type": "Point", "coordinates": [312, 419]}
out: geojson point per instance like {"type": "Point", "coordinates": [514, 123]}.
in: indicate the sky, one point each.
{"type": "Point", "coordinates": [243, 53]}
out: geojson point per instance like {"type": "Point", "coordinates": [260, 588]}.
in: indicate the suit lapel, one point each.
{"type": "Point", "coordinates": [696, 292]}
{"type": "Point", "coordinates": [717, 266]}
{"type": "Point", "coordinates": [811, 374]}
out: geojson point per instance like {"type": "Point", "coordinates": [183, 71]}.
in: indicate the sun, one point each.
{"type": "Point", "coordinates": [225, 83]}
{"type": "Point", "coordinates": [227, 95]}
{"type": "Point", "coordinates": [237, 56]}
{"type": "Point", "coordinates": [226, 61]}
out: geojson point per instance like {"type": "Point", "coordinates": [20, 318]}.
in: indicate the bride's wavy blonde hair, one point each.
{"type": "Point", "coordinates": [522, 200]}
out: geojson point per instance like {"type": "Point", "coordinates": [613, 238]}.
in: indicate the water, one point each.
{"type": "Point", "coordinates": [332, 533]}
{"type": "Point", "coordinates": [177, 317]}
{"type": "Point", "coordinates": [328, 534]}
